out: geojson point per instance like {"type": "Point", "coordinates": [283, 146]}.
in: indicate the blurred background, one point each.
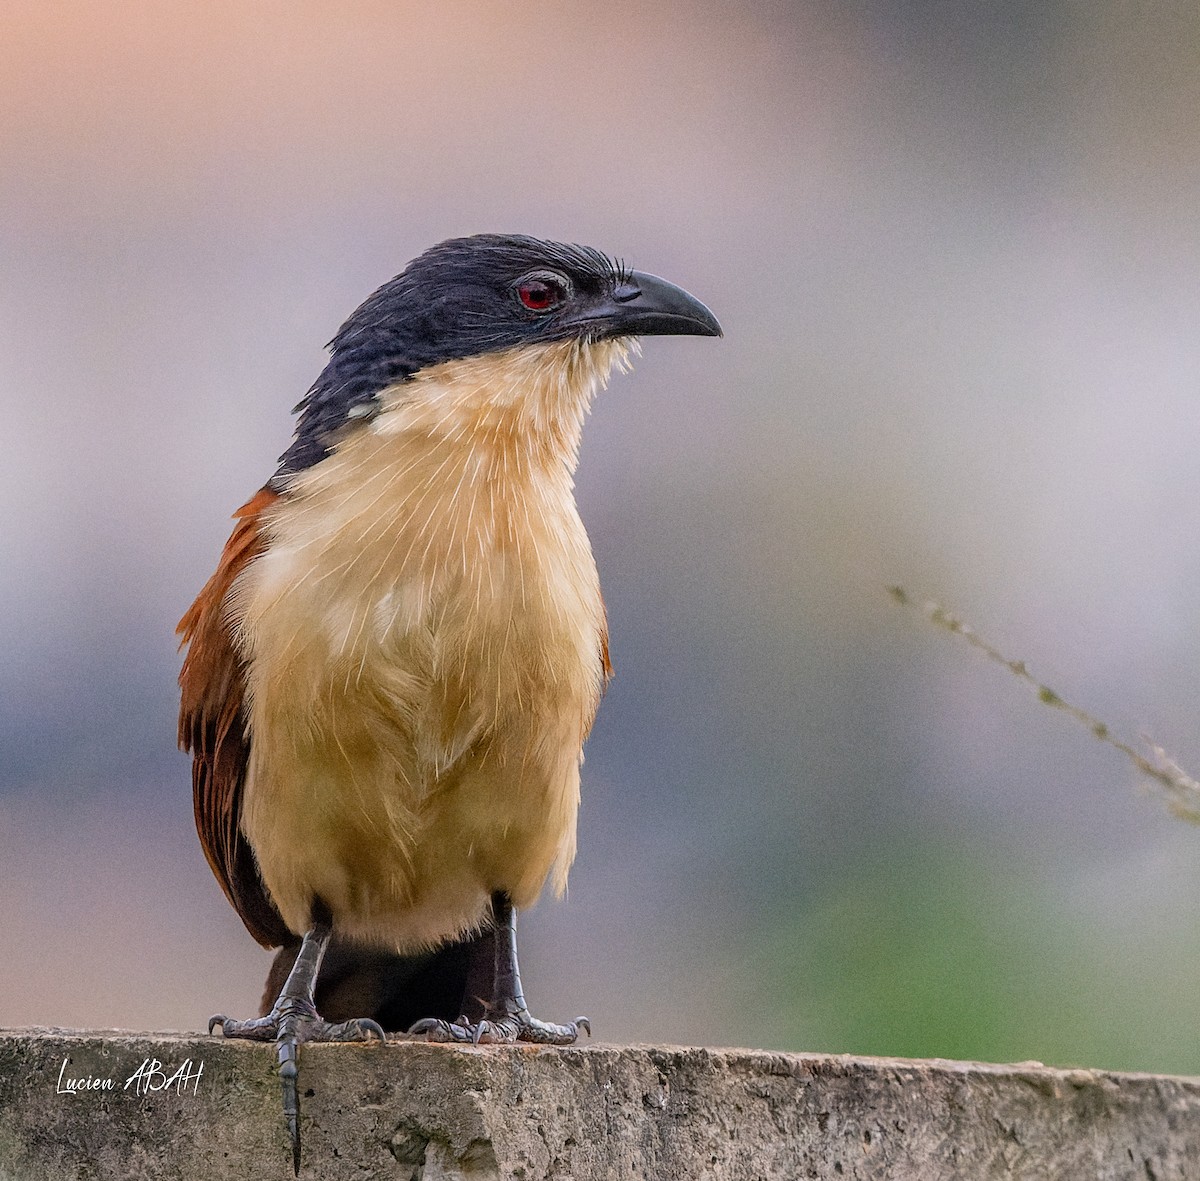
{"type": "Point", "coordinates": [955, 250]}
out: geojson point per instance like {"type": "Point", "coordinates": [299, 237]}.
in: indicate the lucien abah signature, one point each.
{"type": "Point", "coordinates": [151, 1078]}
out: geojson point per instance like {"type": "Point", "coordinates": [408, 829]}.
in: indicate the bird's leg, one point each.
{"type": "Point", "coordinates": [293, 1020]}
{"type": "Point", "coordinates": [506, 1017]}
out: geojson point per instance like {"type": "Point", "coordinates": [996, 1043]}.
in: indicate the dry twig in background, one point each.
{"type": "Point", "coordinates": [1182, 792]}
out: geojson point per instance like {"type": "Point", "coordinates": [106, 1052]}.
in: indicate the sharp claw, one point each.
{"type": "Point", "coordinates": [425, 1025]}
{"type": "Point", "coordinates": [478, 1032]}
{"type": "Point", "coordinates": [369, 1026]}
{"type": "Point", "coordinates": [584, 1024]}
{"type": "Point", "coordinates": [214, 1021]}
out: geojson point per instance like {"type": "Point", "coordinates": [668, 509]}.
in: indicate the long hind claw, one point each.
{"type": "Point", "coordinates": [292, 1022]}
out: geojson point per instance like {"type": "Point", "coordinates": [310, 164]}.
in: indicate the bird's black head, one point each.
{"type": "Point", "coordinates": [483, 294]}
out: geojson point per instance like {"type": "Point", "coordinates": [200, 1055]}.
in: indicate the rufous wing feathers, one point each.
{"type": "Point", "coordinates": [212, 729]}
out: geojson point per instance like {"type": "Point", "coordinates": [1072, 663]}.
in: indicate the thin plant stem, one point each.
{"type": "Point", "coordinates": [1181, 791]}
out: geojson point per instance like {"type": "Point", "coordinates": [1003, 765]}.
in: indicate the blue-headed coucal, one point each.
{"type": "Point", "coordinates": [390, 676]}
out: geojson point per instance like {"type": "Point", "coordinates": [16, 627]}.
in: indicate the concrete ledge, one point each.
{"type": "Point", "coordinates": [418, 1112]}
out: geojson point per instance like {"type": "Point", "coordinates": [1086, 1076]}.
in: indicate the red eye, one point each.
{"type": "Point", "coordinates": [540, 295]}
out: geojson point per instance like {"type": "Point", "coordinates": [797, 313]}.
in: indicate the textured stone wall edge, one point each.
{"type": "Point", "coordinates": [78, 1105]}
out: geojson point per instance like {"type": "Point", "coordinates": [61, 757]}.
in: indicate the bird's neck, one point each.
{"type": "Point", "coordinates": [529, 402]}
{"type": "Point", "coordinates": [467, 458]}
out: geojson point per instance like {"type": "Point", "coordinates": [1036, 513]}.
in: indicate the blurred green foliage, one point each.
{"type": "Point", "coordinates": [929, 949]}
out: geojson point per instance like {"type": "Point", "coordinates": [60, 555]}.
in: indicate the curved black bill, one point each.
{"type": "Point", "coordinates": [645, 305]}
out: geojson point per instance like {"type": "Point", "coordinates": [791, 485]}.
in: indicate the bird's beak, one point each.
{"type": "Point", "coordinates": [645, 305]}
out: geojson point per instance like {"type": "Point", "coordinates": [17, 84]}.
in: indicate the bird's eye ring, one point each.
{"type": "Point", "coordinates": [541, 293]}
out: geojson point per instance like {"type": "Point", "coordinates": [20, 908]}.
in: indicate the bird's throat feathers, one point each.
{"type": "Point", "coordinates": [465, 459]}
{"type": "Point", "coordinates": [529, 402]}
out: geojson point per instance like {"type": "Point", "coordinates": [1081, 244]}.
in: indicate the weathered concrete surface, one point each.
{"type": "Point", "coordinates": [419, 1112]}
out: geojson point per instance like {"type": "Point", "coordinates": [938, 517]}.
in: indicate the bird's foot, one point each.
{"type": "Point", "coordinates": [502, 1028]}
{"type": "Point", "coordinates": [292, 1022]}
{"type": "Point", "coordinates": [297, 1020]}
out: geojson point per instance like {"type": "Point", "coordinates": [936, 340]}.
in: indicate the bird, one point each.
{"type": "Point", "coordinates": [389, 678]}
